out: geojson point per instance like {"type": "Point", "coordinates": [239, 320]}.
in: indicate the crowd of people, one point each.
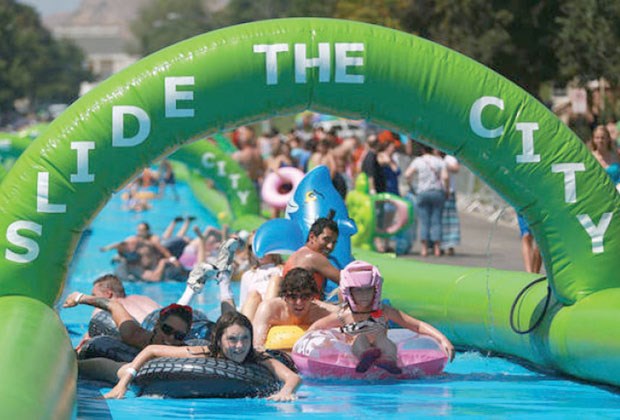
{"type": "Point", "coordinates": [273, 292]}
{"type": "Point", "coordinates": [280, 294]}
{"type": "Point", "coordinates": [392, 164]}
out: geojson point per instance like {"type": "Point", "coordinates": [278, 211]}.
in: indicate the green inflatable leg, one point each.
{"type": "Point", "coordinates": [39, 367]}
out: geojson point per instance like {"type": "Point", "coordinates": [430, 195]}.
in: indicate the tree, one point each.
{"type": "Point", "coordinates": [472, 27]}
{"type": "Point", "coordinates": [380, 12]}
{"type": "Point", "coordinates": [588, 42]}
{"type": "Point", "coordinates": [161, 23]}
{"type": "Point", "coordinates": [32, 64]}
{"type": "Point", "coordinates": [243, 11]}
{"type": "Point", "coordinates": [531, 61]}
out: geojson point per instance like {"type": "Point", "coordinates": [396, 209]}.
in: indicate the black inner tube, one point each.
{"type": "Point", "coordinates": [542, 315]}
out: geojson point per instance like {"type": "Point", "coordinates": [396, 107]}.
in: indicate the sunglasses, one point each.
{"type": "Point", "coordinates": [168, 330]}
{"type": "Point", "coordinates": [295, 296]}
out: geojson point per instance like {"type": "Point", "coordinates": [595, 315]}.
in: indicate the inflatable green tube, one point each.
{"type": "Point", "coordinates": [12, 145]}
{"type": "Point", "coordinates": [224, 143]}
{"type": "Point", "coordinates": [362, 208]}
{"type": "Point", "coordinates": [472, 307]}
{"type": "Point", "coordinates": [229, 178]}
{"type": "Point", "coordinates": [238, 75]}
{"type": "Point", "coordinates": [33, 131]}
{"type": "Point", "coordinates": [39, 369]}
{"type": "Point", "coordinates": [202, 86]}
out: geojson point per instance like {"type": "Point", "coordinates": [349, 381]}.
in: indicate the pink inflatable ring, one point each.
{"type": "Point", "coordinates": [279, 186]}
{"type": "Point", "coordinates": [325, 354]}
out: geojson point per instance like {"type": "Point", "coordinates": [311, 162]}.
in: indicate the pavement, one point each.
{"type": "Point", "coordinates": [484, 243]}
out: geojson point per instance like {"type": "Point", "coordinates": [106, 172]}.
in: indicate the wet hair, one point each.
{"type": "Point", "coordinates": [298, 280]}
{"type": "Point", "coordinates": [182, 311]}
{"type": "Point", "coordinates": [320, 224]}
{"type": "Point", "coordinates": [113, 283]}
{"type": "Point", "coordinates": [229, 319]}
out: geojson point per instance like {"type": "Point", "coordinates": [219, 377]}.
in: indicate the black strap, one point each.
{"type": "Point", "coordinates": [542, 315]}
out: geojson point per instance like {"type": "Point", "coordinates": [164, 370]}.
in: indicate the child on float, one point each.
{"type": "Point", "coordinates": [231, 339]}
{"type": "Point", "coordinates": [364, 319]}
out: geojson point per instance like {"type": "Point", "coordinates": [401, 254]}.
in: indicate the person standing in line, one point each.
{"type": "Point", "coordinates": [529, 249]}
{"type": "Point", "coordinates": [431, 189]}
{"type": "Point", "coordinates": [450, 224]}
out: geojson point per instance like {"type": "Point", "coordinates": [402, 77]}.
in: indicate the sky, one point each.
{"type": "Point", "coordinates": [49, 7]}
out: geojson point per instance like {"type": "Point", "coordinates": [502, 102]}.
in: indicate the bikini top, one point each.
{"type": "Point", "coordinates": [376, 323]}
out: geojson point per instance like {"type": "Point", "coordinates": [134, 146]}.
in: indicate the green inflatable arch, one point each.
{"type": "Point", "coordinates": [246, 73]}
{"type": "Point", "coordinates": [229, 178]}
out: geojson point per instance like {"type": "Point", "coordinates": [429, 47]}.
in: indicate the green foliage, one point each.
{"type": "Point", "coordinates": [161, 23]}
{"type": "Point", "coordinates": [531, 42]}
{"type": "Point", "coordinates": [381, 12]}
{"type": "Point", "coordinates": [588, 43]}
{"type": "Point", "coordinates": [243, 11]}
{"type": "Point", "coordinates": [32, 64]}
{"type": "Point", "coordinates": [473, 27]}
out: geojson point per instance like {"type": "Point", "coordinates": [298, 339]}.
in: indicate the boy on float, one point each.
{"type": "Point", "coordinates": [364, 319]}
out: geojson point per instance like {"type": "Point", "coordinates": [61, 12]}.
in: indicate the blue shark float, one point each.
{"type": "Point", "coordinates": [314, 197]}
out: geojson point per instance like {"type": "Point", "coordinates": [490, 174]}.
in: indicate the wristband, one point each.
{"type": "Point", "coordinates": [132, 372]}
{"type": "Point", "coordinates": [79, 297]}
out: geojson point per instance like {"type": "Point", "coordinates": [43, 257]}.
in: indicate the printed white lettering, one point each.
{"type": "Point", "coordinates": [82, 148]}
{"type": "Point", "coordinates": [343, 61]}
{"type": "Point", "coordinates": [570, 183]}
{"type": "Point", "coordinates": [207, 160]}
{"type": "Point", "coordinates": [527, 139]}
{"type": "Point", "coordinates": [475, 117]}
{"type": "Point", "coordinates": [31, 246]}
{"type": "Point", "coordinates": [118, 126]}
{"type": "Point", "coordinates": [172, 96]}
{"type": "Point", "coordinates": [243, 196]}
{"type": "Point", "coordinates": [234, 180]}
{"type": "Point", "coordinates": [323, 62]}
{"type": "Point", "coordinates": [221, 168]}
{"type": "Point", "coordinates": [43, 192]}
{"type": "Point", "coordinates": [596, 233]}
{"type": "Point", "coordinates": [271, 59]}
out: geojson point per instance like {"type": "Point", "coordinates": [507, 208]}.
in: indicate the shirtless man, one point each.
{"type": "Point", "coordinates": [171, 328]}
{"type": "Point", "coordinates": [313, 256]}
{"type": "Point", "coordinates": [296, 305]}
{"type": "Point", "coordinates": [110, 287]}
{"type": "Point", "coordinates": [249, 157]}
{"type": "Point", "coordinates": [143, 235]}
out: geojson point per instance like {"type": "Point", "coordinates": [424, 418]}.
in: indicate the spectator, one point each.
{"type": "Point", "coordinates": [450, 225]}
{"type": "Point", "coordinates": [529, 249]}
{"type": "Point", "coordinates": [606, 153]}
{"type": "Point", "coordinates": [431, 189]}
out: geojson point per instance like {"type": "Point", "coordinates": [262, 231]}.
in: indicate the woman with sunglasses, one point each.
{"type": "Point", "coordinates": [174, 321]}
{"type": "Point", "coordinates": [231, 339]}
{"type": "Point", "coordinates": [173, 325]}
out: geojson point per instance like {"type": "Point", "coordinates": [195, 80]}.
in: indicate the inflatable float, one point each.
{"type": "Point", "coordinates": [279, 186]}
{"type": "Point", "coordinates": [364, 208]}
{"type": "Point", "coordinates": [204, 378]}
{"type": "Point", "coordinates": [401, 82]}
{"type": "Point", "coordinates": [284, 337]}
{"type": "Point", "coordinates": [101, 323]}
{"type": "Point", "coordinates": [324, 354]}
